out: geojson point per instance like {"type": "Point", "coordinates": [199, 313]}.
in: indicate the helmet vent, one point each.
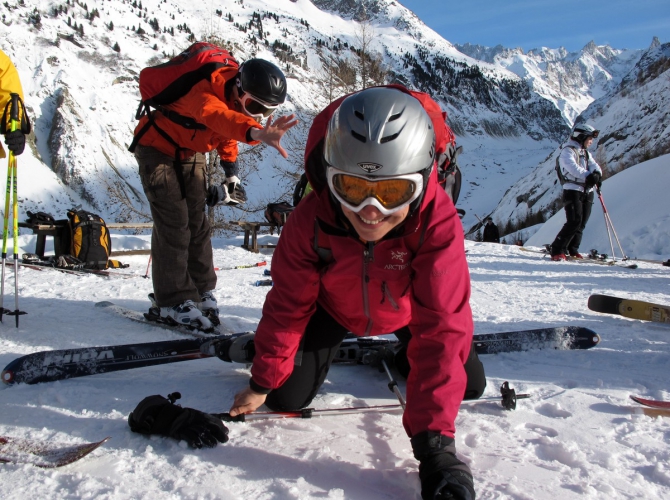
{"type": "Point", "coordinates": [388, 138]}
{"type": "Point", "coordinates": [395, 117]}
{"type": "Point", "coordinates": [358, 136]}
{"type": "Point", "coordinates": [359, 115]}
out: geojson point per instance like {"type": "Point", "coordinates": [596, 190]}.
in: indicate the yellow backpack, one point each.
{"type": "Point", "coordinates": [90, 241]}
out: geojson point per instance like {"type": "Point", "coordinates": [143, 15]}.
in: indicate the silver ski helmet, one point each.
{"type": "Point", "coordinates": [380, 133]}
{"type": "Point", "coordinates": [582, 132]}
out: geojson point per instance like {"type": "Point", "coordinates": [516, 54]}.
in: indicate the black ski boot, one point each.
{"type": "Point", "coordinates": [238, 349]}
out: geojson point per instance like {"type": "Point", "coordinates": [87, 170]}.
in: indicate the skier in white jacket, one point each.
{"type": "Point", "coordinates": [582, 176]}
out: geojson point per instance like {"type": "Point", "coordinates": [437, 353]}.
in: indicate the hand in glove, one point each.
{"type": "Point", "coordinates": [443, 476]}
{"type": "Point", "coordinates": [157, 415]}
{"type": "Point", "coordinates": [593, 179]}
{"type": "Point", "coordinates": [236, 192]}
{"type": "Point", "coordinates": [215, 195]}
{"type": "Point", "coordinates": [230, 192]}
{"type": "Point", "coordinates": [16, 142]}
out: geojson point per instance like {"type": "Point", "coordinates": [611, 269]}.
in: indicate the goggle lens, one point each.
{"type": "Point", "coordinates": [391, 193]}
{"type": "Point", "coordinates": [256, 108]}
{"type": "Point", "coordinates": [595, 134]}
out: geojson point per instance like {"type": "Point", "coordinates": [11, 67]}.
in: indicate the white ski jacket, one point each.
{"type": "Point", "coordinates": [576, 168]}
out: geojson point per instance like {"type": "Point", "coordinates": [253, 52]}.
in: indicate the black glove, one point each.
{"type": "Point", "coordinates": [16, 142]}
{"type": "Point", "coordinates": [215, 195]}
{"type": "Point", "coordinates": [157, 415]}
{"type": "Point", "coordinates": [443, 476]}
{"type": "Point", "coordinates": [593, 179]}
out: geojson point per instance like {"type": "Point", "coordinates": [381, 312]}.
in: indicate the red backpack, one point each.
{"type": "Point", "coordinates": [165, 83]}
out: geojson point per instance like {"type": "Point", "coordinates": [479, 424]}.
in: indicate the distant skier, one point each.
{"type": "Point", "coordinates": [582, 175]}
{"type": "Point", "coordinates": [491, 233]}
{"type": "Point", "coordinates": [377, 226]}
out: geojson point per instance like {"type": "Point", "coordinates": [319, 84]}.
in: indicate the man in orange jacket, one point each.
{"type": "Point", "coordinates": [230, 104]}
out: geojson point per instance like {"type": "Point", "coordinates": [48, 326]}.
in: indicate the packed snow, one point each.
{"type": "Point", "coordinates": [574, 438]}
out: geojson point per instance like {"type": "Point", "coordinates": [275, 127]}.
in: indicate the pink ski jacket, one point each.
{"type": "Point", "coordinates": [416, 275]}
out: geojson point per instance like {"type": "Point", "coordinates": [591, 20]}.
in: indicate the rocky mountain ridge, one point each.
{"type": "Point", "coordinates": [79, 63]}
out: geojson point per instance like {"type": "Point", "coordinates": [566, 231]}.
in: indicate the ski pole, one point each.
{"type": "Point", "coordinates": [257, 264]}
{"type": "Point", "coordinates": [5, 232]}
{"type": "Point", "coordinates": [146, 275]}
{"type": "Point", "coordinates": [305, 413]}
{"type": "Point", "coordinates": [12, 185]}
{"type": "Point", "coordinates": [313, 412]}
{"type": "Point", "coordinates": [608, 225]}
{"type": "Point", "coordinates": [393, 385]}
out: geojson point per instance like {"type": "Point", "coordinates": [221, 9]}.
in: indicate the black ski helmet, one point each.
{"type": "Point", "coordinates": [263, 80]}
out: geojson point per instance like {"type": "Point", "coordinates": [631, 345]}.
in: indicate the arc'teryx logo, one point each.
{"type": "Point", "coordinates": [398, 255]}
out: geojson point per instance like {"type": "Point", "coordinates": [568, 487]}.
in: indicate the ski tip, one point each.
{"type": "Point", "coordinates": [104, 303]}
{"type": "Point", "coordinates": [595, 339]}
{"type": "Point", "coordinates": [7, 377]}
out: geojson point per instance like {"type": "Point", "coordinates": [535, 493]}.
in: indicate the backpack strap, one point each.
{"type": "Point", "coordinates": [151, 122]}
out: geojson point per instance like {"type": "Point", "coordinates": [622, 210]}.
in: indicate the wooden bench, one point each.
{"type": "Point", "coordinates": [56, 230]}
{"type": "Point", "coordinates": [251, 234]}
{"type": "Point", "coordinates": [59, 231]}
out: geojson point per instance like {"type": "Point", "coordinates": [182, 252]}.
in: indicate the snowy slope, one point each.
{"type": "Point", "coordinates": [571, 440]}
{"type": "Point", "coordinates": [638, 205]}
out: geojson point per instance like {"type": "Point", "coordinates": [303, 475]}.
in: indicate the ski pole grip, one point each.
{"type": "Point", "coordinates": [508, 396]}
{"type": "Point", "coordinates": [14, 109]}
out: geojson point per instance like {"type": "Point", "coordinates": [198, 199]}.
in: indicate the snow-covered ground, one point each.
{"type": "Point", "coordinates": [572, 439]}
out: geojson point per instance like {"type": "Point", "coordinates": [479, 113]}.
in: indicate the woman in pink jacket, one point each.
{"type": "Point", "coordinates": [376, 248]}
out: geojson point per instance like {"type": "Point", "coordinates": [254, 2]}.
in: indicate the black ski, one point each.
{"type": "Point", "coordinates": [48, 366]}
{"type": "Point", "coordinates": [560, 338]}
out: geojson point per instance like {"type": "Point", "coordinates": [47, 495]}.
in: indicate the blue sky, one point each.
{"type": "Point", "coordinates": [622, 24]}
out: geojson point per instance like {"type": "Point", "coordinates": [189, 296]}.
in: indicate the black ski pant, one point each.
{"type": "Point", "coordinates": [578, 207]}
{"type": "Point", "coordinates": [320, 344]}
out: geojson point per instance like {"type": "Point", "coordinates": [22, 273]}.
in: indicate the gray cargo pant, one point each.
{"type": "Point", "coordinates": [181, 248]}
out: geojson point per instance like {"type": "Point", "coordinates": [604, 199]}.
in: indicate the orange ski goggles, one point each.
{"type": "Point", "coordinates": [387, 194]}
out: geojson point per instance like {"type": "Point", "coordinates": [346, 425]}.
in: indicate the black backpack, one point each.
{"type": "Point", "coordinates": [278, 212]}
